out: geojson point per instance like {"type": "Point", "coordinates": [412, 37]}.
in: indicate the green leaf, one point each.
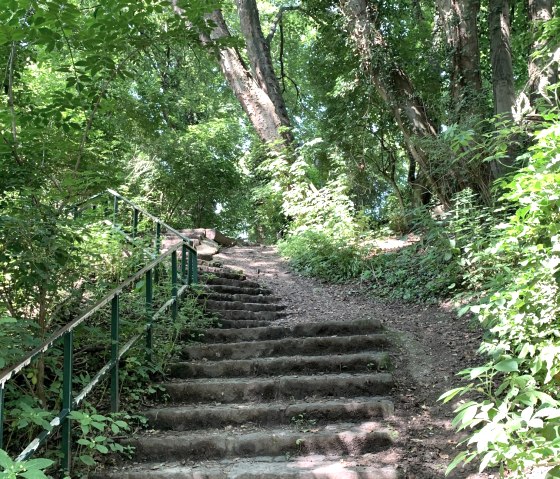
{"type": "Point", "coordinates": [38, 463]}
{"type": "Point", "coordinates": [458, 459]}
{"type": "Point", "coordinates": [5, 460]}
{"type": "Point", "coordinates": [449, 395]}
{"type": "Point", "coordinates": [507, 366]}
{"type": "Point", "coordinates": [87, 460]}
{"type": "Point", "coordinates": [102, 449]}
{"type": "Point", "coordinates": [554, 473]}
{"type": "Point", "coordinates": [33, 474]}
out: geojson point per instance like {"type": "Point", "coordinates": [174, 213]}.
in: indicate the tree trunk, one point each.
{"type": "Point", "coordinates": [392, 84]}
{"type": "Point", "coordinates": [255, 86]}
{"type": "Point", "coordinates": [459, 21]}
{"type": "Point", "coordinates": [502, 73]}
{"type": "Point", "coordinates": [542, 72]}
{"type": "Point", "coordinates": [500, 53]}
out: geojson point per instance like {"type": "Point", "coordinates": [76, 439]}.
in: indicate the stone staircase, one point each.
{"type": "Point", "coordinates": [260, 401]}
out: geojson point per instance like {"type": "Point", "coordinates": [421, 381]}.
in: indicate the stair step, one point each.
{"type": "Point", "coordinates": [243, 298]}
{"type": "Point", "coordinates": [242, 283]}
{"type": "Point", "coordinates": [220, 272]}
{"type": "Point", "coordinates": [234, 390]}
{"type": "Point", "coordinates": [342, 439]}
{"type": "Point", "coordinates": [242, 324]}
{"type": "Point", "coordinates": [301, 467]}
{"type": "Point", "coordinates": [300, 414]}
{"type": "Point", "coordinates": [224, 289]}
{"type": "Point", "coordinates": [330, 328]}
{"type": "Point", "coordinates": [241, 315]}
{"type": "Point", "coordinates": [285, 347]}
{"type": "Point", "coordinates": [212, 305]}
{"type": "Point", "coordinates": [360, 362]}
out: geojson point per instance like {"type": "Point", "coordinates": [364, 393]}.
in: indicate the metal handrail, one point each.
{"type": "Point", "coordinates": [153, 218]}
{"type": "Point", "coordinates": [69, 403]}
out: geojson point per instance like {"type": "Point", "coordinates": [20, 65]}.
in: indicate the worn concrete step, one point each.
{"type": "Point", "coordinates": [242, 324]}
{"type": "Point", "coordinates": [328, 328]}
{"type": "Point", "coordinates": [234, 390]}
{"type": "Point", "coordinates": [239, 314]}
{"type": "Point", "coordinates": [286, 347]}
{"type": "Point", "coordinates": [302, 415]}
{"type": "Point", "coordinates": [212, 305]}
{"type": "Point", "coordinates": [341, 439]}
{"type": "Point", "coordinates": [224, 289]}
{"type": "Point", "coordinates": [207, 271]}
{"type": "Point", "coordinates": [243, 298]}
{"type": "Point", "coordinates": [360, 362]}
{"type": "Point", "coordinates": [242, 283]}
{"type": "Point", "coordinates": [267, 467]}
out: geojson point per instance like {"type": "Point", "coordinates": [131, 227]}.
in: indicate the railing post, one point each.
{"type": "Point", "coordinates": [115, 326]}
{"type": "Point", "coordinates": [149, 298]}
{"type": "Point", "coordinates": [157, 248]}
{"type": "Point", "coordinates": [193, 268]}
{"type": "Point", "coordinates": [67, 401]}
{"type": "Point", "coordinates": [115, 210]}
{"type": "Point", "coordinates": [184, 263]}
{"type": "Point", "coordinates": [135, 216]}
{"type": "Point", "coordinates": [174, 288]}
{"type": "Point", "coordinates": [2, 389]}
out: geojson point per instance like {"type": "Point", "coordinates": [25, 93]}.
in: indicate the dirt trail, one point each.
{"type": "Point", "coordinates": [431, 346]}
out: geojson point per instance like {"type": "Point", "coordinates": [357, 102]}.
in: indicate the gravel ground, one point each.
{"type": "Point", "coordinates": [430, 346]}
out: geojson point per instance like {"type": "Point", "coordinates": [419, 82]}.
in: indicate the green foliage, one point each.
{"type": "Point", "coordinates": [319, 254]}
{"type": "Point", "coordinates": [326, 233]}
{"type": "Point", "coordinates": [95, 435]}
{"type": "Point", "coordinates": [515, 273]}
{"type": "Point", "coordinates": [30, 469]}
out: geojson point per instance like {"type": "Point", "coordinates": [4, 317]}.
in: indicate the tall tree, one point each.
{"type": "Point", "coordinates": [255, 85]}
{"type": "Point", "coordinates": [500, 53]}
{"type": "Point", "coordinates": [459, 22]}
{"type": "Point", "coordinates": [542, 71]}
{"type": "Point", "coordinates": [503, 87]}
{"type": "Point", "coordinates": [392, 85]}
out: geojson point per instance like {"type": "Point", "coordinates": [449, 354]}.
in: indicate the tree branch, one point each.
{"type": "Point", "coordinates": [11, 101]}
{"type": "Point", "coordinates": [278, 20]}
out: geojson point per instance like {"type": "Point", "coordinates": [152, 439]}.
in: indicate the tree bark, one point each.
{"type": "Point", "coordinates": [392, 85]}
{"type": "Point", "coordinates": [500, 53]}
{"type": "Point", "coordinates": [542, 72]}
{"type": "Point", "coordinates": [459, 21]}
{"type": "Point", "coordinates": [256, 85]}
{"type": "Point", "coordinates": [258, 52]}
{"type": "Point", "coordinates": [502, 73]}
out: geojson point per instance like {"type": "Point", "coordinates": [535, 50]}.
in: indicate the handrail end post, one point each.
{"type": "Point", "coordinates": [67, 402]}
{"type": "Point", "coordinates": [115, 326]}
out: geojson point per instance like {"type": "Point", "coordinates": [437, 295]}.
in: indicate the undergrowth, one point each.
{"type": "Point", "coordinates": [502, 265]}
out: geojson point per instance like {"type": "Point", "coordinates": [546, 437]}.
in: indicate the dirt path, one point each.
{"type": "Point", "coordinates": [431, 346]}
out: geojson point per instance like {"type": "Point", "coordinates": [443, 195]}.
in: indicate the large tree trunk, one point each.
{"type": "Point", "coordinates": [392, 84]}
{"type": "Point", "coordinates": [542, 72]}
{"type": "Point", "coordinates": [500, 53]}
{"type": "Point", "coordinates": [255, 86]}
{"type": "Point", "coordinates": [459, 21]}
{"type": "Point", "coordinates": [502, 72]}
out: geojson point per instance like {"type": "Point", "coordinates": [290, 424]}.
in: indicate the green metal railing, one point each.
{"type": "Point", "coordinates": [180, 282]}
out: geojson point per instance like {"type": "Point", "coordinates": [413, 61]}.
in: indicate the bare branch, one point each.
{"type": "Point", "coordinates": [11, 62]}
{"type": "Point", "coordinates": [278, 20]}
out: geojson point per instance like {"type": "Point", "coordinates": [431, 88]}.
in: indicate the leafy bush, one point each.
{"type": "Point", "coordinates": [515, 414]}
{"type": "Point", "coordinates": [31, 469]}
{"type": "Point", "coordinates": [318, 254]}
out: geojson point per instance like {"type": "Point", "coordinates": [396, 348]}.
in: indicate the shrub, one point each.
{"type": "Point", "coordinates": [515, 416]}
